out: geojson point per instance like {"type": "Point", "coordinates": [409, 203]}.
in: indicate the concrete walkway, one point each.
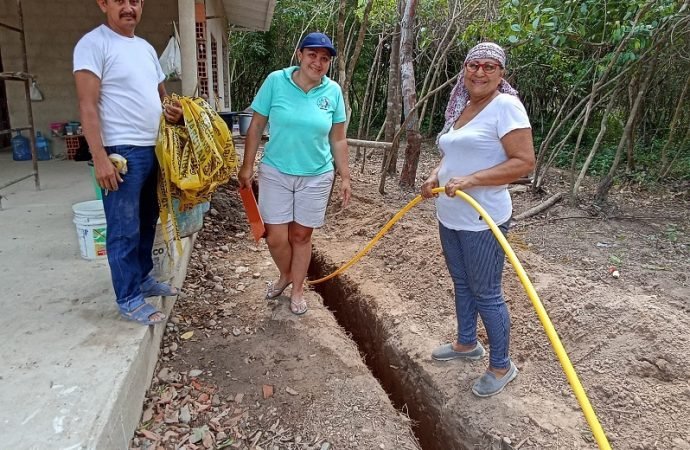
{"type": "Point", "coordinates": [72, 373]}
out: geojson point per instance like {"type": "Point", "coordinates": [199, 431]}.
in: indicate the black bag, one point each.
{"type": "Point", "coordinates": [83, 153]}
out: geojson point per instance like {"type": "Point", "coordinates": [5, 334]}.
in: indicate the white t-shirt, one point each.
{"type": "Point", "coordinates": [473, 147]}
{"type": "Point", "coordinates": [129, 105]}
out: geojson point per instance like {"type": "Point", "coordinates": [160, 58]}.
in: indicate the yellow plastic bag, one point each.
{"type": "Point", "coordinates": [194, 158]}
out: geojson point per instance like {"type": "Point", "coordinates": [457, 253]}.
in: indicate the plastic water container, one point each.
{"type": "Point", "coordinates": [89, 217]}
{"type": "Point", "coordinates": [21, 150]}
{"type": "Point", "coordinates": [42, 147]}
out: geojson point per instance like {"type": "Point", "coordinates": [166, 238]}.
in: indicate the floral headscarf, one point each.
{"type": "Point", "coordinates": [459, 96]}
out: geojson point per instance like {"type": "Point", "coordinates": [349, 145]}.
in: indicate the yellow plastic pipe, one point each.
{"type": "Point", "coordinates": [371, 243]}
{"type": "Point", "coordinates": [563, 359]}
{"type": "Point", "coordinates": [568, 369]}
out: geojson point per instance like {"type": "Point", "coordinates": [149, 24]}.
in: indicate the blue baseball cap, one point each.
{"type": "Point", "coordinates": [318, 40]}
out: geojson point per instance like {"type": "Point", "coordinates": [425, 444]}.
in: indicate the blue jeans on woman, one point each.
{"type": "Point", "coordinates": [131, 214]}
{"type": "Point", "coordinates": [475, 261]}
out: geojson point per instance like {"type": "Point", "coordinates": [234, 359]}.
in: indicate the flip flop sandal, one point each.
{"type": "Point", "coordinates": [298, 308]}
{"type": "Point", "coordinates": [274, 292]}
{"type": "Point", "coordinates": [159, 290]}
{"type": "Point", "coordinates": [141, 314]}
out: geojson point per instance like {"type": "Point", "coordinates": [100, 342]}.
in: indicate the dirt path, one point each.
{"type": "Point", "coordinates": [626, 336]}
{"type": "Point", "coordinates": [237, 371]}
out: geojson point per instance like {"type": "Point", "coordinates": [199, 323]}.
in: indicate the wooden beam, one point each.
{"type": "Point", "coordinates": [20, 76]}
{"type": "Point", "coordinates": [368, 144]}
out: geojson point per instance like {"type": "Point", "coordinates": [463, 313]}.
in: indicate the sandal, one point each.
{"type": "Point", "coordinates": [152, 288]}
{"type": "Point", "coordinates": [274, 292]}
{"type": "Point", "coordinates": [142, 313]}
{"type": "Point", "coordinates": [298, 307]}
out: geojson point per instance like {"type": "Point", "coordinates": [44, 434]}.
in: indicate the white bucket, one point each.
{"type": "Point", "coordinates": [89, 218]}
{"type": "Point", "coordinates": [164, 255]}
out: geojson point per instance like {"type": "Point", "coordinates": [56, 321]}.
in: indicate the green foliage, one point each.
{"type": "Point", "coordinates": [254, 55]}
{"type": "Point", "coordinates": [555, 49]}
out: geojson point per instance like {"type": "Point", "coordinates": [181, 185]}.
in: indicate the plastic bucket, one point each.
{"type": "Point", "coordinates": [228, 118]}
{"type": "Point", "coordinates": [163, 254]}
{"type": "Point", "coordinates": [244, 120]}
{"type": "Point", "coordinates": [89, 218]}
{"type": "Point", "coordinates": [191, 220]}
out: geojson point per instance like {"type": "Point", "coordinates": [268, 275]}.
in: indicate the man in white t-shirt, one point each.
{"type": "Point", "coordinates": [120, 88]}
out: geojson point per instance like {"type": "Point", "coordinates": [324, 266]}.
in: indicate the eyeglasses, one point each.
{"type": "Point", "coordinates": [488, 67]}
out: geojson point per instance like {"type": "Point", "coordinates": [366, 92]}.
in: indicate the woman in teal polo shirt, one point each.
{"type": "Point", "coordinates": [306, 113]}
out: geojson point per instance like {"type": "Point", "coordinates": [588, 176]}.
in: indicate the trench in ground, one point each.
{"type": "Point", "coordinates": [409, 388]}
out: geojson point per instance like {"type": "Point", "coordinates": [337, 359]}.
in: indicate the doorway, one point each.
{"type": "Point", "coordinates": [4, 113]}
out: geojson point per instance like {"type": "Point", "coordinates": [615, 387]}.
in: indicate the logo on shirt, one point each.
{"type": "Point", "coordinates": [323, 103]}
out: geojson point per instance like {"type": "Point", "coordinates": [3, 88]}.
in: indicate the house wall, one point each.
{"type": "Point", "coordinates": [216, 27]}
{"type": "Point", "coordinates": [52, 30]}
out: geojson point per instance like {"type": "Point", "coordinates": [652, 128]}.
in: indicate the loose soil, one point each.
{"type": "Point", "coordinates": [253, 374]}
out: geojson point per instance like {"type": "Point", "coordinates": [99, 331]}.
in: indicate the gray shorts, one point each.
{"type": "Point", "coordinates": [287, 198]}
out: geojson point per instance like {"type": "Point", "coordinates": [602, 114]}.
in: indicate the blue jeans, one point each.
{"type": "Point", "coordinates": [475, 261]}
{"type": "Point", "coordinates": [131, 214]}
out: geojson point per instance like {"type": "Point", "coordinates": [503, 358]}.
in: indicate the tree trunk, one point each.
{"type": "Point", "coordinates": [393, 103]}
{"type": "Point", "coordinates": [673, 125]}
{"type": "Point", "coordinates": [597, 142]}
{"type": "Point", "coordinates": [585, 122]}
{"type": "Point", "coordinates": [353, 58]}
{"type": "Point", "coordinates": [542, 166]}
{"type": "Point", "coordinates": [441, 54]}
{"type": "Point", "coordinates": [559, 146]}
{"type": "Point", "coordinates": [372, 97]}
{"type": "Point", "coordinates": [396, 139]}
{"type": "Point", "coordinates": [630, 166]}
{"type": "Point", "coordinates": [368, 92]}
{"type": "Point", "coordinates": [539, 169]}
{"type": "Point", "coordinates": [679, 150]}
{"type": "Point", "coordinates": [340, 38]}
{"type": "Point", "coordinates": [430, 128]}
{"type": "Point", "coordinates": [409, 93]}
{"type": "Point", "coordinates": [607, 181]}
{"type": "Point", "coordinates": [558, 123]}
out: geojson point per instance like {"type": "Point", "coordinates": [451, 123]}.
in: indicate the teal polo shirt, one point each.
{"type": "Point", "coordinates": [299, 123]}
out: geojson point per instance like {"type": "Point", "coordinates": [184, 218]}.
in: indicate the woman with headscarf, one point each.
{"type": "Point", "coordinates": [485, 144]}
{"type": "Point", "coordinates": [306, 113]}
